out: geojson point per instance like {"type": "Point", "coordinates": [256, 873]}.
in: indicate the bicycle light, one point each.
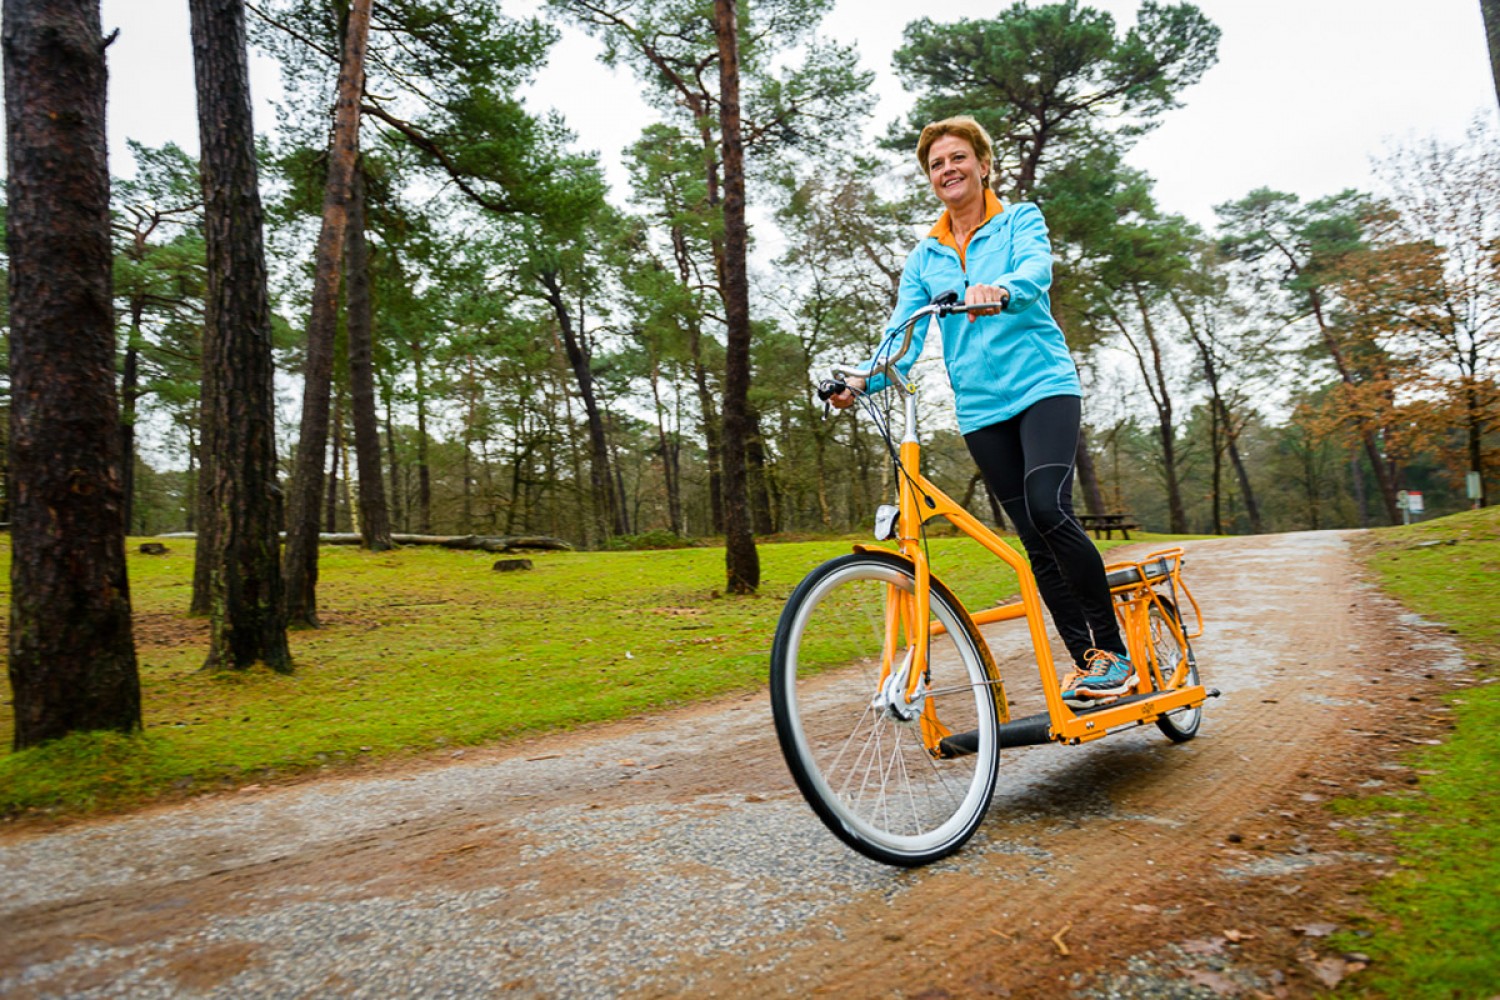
{"type": "Point", "coordinates": [885, 521]}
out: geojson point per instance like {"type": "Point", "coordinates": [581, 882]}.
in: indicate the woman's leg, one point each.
{"type": "Point", "coordinates": [1028, 463]}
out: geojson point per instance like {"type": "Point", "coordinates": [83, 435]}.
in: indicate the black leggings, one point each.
{"type": "Point", "coordinates": [1028, 463]}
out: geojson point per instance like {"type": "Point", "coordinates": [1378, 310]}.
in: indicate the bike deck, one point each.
{"type": "Point", "coordinates": [1034, 730]}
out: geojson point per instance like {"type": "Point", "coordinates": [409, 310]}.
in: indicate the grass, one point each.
{"type": "Point", "coordinates": [1440, 936]}
{"type": "Point", "coordinates": [424, 649]}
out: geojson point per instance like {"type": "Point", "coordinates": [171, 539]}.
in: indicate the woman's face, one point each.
{"type": "Point", "coordinates": [956, 174]}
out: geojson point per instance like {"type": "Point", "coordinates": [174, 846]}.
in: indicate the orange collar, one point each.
{"type": "Point", "coordinates": [943, 230]}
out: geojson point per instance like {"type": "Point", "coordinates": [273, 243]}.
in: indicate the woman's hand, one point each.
{"type": "Point", "coordinates": [845, 399]}
{"type": "Point", "coordinates": [982, 295]}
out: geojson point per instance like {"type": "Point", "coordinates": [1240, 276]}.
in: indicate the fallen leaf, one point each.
{"type": "Point", "coordinates": [1146, 908]}
{"type": "Point", "coordinates": [1329, 971]}
{"type": "Point", "coordinates": [1221, 985]}
{"type": "Point", "coordinates": [1316, 930]}
{"type": "Point", "coordinates": [1204, 946]}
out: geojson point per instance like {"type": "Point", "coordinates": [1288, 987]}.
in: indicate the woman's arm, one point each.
{"type": "Point", "coordinates": [1030, 274]}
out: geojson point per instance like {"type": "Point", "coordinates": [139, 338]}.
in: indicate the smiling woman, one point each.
{"type": "Point", "coordinates": [1014, 384]}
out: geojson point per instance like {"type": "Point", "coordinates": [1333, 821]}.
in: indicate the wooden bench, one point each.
{"type": "Point", "coordinates": [1105, 525]}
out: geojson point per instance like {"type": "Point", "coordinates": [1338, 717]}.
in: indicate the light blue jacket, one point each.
{"type": "Point", "coordinates": [1001, 364]}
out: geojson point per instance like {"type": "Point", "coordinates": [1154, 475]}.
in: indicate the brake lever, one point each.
{"type": "Point", "coordinates": [827, 389]}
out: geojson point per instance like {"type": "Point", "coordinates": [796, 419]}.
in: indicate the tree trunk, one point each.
{"type": "Point", "coordinates": [1490, 9]}
{"type": "Point", "coordinates": [1087, 476]}
{"type": "Point", "coordinates": [335, 454]}
{"type": "Point", "coordinates": [240, 517]}
{"type": "Point", "coordinates": [307, 480]}
{"type": "Point", "coordinates": [742, 562]}
{"type": "Point", "coordinates": [397, 508]}
{"type": "Point", "coordinates": [667, 446]}
{"type": "Point", "coordinates": [374, 514]}
{"type": "Point", "coordinates": [424, 471]}
{"type": "Point", "coordinates": [72, 654]}
{"type": "Point", "coordinates": [762, 516]}
{"type": "Point", "coordinates": [1204, 343]}
{"type": "Point", "coordinates": [130, 394]}
{"type": "Point", "coordinates": [608, 513]}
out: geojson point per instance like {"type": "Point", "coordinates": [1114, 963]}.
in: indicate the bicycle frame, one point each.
{"type": "Point", "coordinates": [920, 501]}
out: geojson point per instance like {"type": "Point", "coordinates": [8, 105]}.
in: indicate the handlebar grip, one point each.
{"type": "Point", "coordinates": [829, 388]}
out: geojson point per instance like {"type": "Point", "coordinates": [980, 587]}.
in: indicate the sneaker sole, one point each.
{"type": "Point", "coordinates": [1103, 692]}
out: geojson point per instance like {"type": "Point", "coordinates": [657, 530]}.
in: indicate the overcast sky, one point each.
{"type": "Point", "coordinates": [1305, 91]}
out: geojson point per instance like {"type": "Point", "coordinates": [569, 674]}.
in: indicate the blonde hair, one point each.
{"type": "Point", "coordinates": [965, 128]}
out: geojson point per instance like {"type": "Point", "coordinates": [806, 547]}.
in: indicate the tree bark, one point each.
{"type": "Point", "coordinates": [374, 513]}
{"type": "Point", "coordinates": [608, 512]}
{"type": "Point", "coordinates": [335, 461]}
{"type": "Point", "coordinates": [72, 653]}
{"type": "Point", "coordinates": [1490, 9]}
{"type": "Point", "coordinates": [240, 512]}
{"type": "Point", "coordinates": [742, 562]}
{"type": "Point", "coordinates": [1087, 475]}
{"type": "Point", "coordinates": [424, 470]}
{"type": "Point", "coordinates": [307, 480]}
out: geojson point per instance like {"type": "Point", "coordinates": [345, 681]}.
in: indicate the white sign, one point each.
{"type": "Point", "coordinates": [1414, 502]}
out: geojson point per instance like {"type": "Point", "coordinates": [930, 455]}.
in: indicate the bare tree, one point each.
{"type": "Point", "coordinates": [72, 654]}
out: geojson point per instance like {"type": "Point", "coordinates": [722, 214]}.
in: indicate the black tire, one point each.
{"type": "Point", "coordinates": [865, 771]}
{"type": "Point", "coordinates": [1171, 648]}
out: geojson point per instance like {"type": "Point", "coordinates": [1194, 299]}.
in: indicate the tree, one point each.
{"type": "Point", "coordinates": [1434, 280]}
{"type": "Point", "coordinates": [698, 59]}
{"type": "Point", "coordinates": [240, 500]}
{"type": "Point", "coordinates": [158, 278]}
{"type": "Point", "coordinates": [301, 561]}
{"type": "Point", "coordinates": [741, 561]}
{"type": "Point", "coordinates": [1147, 257]}
{"type": "Point", "coordinates": [72, 653]}
{"type": "Point", "coordinates": [1203, 303]}
{"type": "Point", "coordinates": [1053, 82]}
{"type": "Point", "coordinates": [374, 512]}
{"type": "Point", "coordinates": [1303, 248]}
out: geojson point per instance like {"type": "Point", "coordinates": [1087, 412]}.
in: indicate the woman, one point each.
{"type": "Point", "coordinates": [1015, 387]}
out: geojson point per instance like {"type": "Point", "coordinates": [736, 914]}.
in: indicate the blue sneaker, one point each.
{"type": "Point", "coordinates": [1104, 675]}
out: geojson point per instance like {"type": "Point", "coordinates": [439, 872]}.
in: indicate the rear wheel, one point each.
{"type": "Point", "coordinates": [860, 754]}
{"type": "Point", "coordinates": [1170, 645]}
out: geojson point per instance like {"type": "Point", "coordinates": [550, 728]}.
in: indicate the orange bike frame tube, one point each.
{"type": "Point", "coordinates": [921, 501]}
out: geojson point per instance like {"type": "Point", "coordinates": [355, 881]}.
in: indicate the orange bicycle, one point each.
{"type": "Point", "coordinates": [888, 706]}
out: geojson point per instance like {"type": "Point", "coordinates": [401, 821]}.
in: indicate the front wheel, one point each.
{"type": "Point", "coordinates": [1170, 646]}
{"type": "Point", "coordinates": [870, 768]}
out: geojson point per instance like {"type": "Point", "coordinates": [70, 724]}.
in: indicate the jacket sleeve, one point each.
{"type": "Point", "coordinates": [911, 296]}
{"type": "Point", "coordinates": [1030, 273]}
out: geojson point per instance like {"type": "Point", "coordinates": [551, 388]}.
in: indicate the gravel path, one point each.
{"type": "Point", "coordinates": [672, 855]}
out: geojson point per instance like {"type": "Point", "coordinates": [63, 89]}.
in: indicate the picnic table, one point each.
{"type": "Point", "coordinates": [1105, 525]}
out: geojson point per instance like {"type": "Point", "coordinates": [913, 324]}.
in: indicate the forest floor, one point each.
{"type": "Point", "coordinates": [672, 855]}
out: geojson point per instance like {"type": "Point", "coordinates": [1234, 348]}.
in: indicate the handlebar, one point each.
{"type": "Point", "coordinates": [945, 304]}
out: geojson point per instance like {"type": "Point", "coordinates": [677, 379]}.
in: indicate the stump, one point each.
{"type": "Point", "coordinates": [511, 565]}
{"type": "Point", "coordinates": [153, 549]}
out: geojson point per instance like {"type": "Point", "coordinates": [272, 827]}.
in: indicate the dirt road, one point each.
{"type": "Point", "coordinates": [672, 855]}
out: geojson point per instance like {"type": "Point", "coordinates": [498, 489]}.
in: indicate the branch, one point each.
{"type": "Point", "coordinates": [289, 30]}
{"type": "Point", "coordinates": [427, 145]}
